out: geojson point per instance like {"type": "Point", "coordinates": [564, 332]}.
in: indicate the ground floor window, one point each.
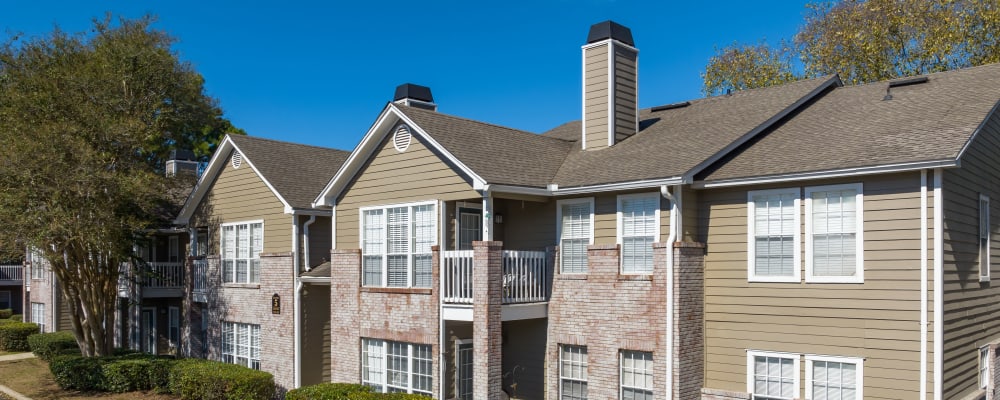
{"type": "Point", "coordinates": [396, 367]}
{"type": "Point", "coordinates": [5, 299]}
{"type": "Point", "coordinates": [38, 315]}
{"type": "Point", "coordinates": [833, 378]}
{"type": "Point", "coordinates": [572, 372]}
{"type": "Point", "coordinates": [636, 375]}
{"type": "Point", "coordinates": [174, 326]}
{"type": "Point", "coordinates": [773, 375]}
{"type": "Point", "coordinates": [241, 344]}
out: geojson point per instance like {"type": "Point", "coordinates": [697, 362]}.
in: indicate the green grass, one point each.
{"type": "Point", "coordinates": [31, 377]}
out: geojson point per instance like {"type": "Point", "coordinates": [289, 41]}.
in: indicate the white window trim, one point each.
{"type": "Point", "coordinates": [222, 255]}
{"type": "Point", "coordinates": [586, 367]}
{"type": "Point", "coordinates": [38, 316]}
{"type": "Point", "coordinates": [752, 238]}
{"type": "Point", "coordinates": [796, 367]}
{"type": "Point", "coordinates": [559, 204]}
{"type": "Point", "coordinates": [235, 354]}
{"type": "Point", "coordinates": [410, 361]}
{"type": "Point", "coordinates": [385, 243]}
{"type": "Point", "coordinates": [621, 226]}
{"type": "Point", "coordinates": [988, 367]}
{"type": "Point", "coordinates": [859, 371]}
{"type": "Point", "coordinates": [621, 372]}
{"type": "Point", "coordinates": [174, 341]}
{"type": "Point", "coordinates": [859, 274]}
{"type": "Point", "coordinates": [989, 240]}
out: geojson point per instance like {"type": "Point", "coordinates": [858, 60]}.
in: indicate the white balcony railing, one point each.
{"type": "Point", "coordinates": [163, 275]}
{"type": "Point", "coordinates": [524, 279]}
{"type": "Point", "coordinates": [199, 272]}
{"type": "Point", "coordinates": [12, 272]}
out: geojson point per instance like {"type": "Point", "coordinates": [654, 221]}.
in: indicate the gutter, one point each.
{"type": "Point", "coordinates": [305, 242]}
{"type": "Point", "coordinates": [671, 238]}
{"type": "Point", "coordinates": [938, 286]}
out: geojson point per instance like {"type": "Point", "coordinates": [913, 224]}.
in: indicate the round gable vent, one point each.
{"type": "Point", "coordinates": [237, 159]}
{"type": "Point", "coordinates": [401, 139]}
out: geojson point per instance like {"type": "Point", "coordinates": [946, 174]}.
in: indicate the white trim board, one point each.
{"type": "Point", "coordinates": [826, 174]}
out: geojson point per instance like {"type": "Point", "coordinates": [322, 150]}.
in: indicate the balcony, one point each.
{"type": "Point", "coordinates": [11, 275]}
{"type": "Point", "coordinates": [525, 283]}
{"type": "Point", "coordinates": [157, 279]}
{"type": "Point", "coordinates": [199, 272]}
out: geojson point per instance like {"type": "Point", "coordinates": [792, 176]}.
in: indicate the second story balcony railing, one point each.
{"type": "Point", "coordinates": [163, 275]}
{"type": "Point", "coordinates": [13, 273]}
{"type": "Point", "coordinates": [524, 278]}
{"type": "Point", "coordinates": [199, 274]}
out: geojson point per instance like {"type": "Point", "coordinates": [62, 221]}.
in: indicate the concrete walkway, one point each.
{"type": "Point", "coordinates": [6, 390]}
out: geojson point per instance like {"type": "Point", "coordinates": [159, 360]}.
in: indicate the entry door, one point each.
{"type": "Point", "coordinates": [463, 369]}
{"type": "Point", "coordinates": [470, 227]}
{"type": "Point", "coordinates": [148, 330]}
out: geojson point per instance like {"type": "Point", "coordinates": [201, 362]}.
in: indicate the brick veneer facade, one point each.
{"type": "Point", "coordinates": [609, 312]}
{"type": "Point", "coordinates": [251, 304]}
{"type": "Point", "coordinates": [397, 314]}
{"type": "Point", "coordinates": [487, 288]}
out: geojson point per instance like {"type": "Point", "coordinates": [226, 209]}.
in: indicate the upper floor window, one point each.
{"type": "Point", "coordinates": [773, 235]}
{"type": "Point", "coordinates": [396, 245]}
{"type": "Point", "coordinates": [834, 251]}
{"type": "Point", "coordinates": [638, 228]}
{"type": "Point", "coordinates": [576, 232]}
{"type": "Point", "coordinates": [242, 243]}
{"type": "Point", "coordinates": [984, 238]}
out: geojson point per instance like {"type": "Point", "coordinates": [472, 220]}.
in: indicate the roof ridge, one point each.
{"type": "Point", "coordinates": [288, 143]}
{"type": "Point", "coordinates": [480, 122]}
{"type": "Point", "coordinates": [751, 90]}
{"type": "Point", "coordinates": [929, 74]}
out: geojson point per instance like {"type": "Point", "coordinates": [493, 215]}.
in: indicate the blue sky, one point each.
{"type": "Point", "coordinates": [319, 72]}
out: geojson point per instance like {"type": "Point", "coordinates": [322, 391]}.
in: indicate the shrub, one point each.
{"type": "Point", "coordinates": [326, 391]}
{"type": "Point", "coordinates": [159, 374]}
{"type": "Point", "coordinates": [16, 317]}
{"type": "Point", "coordinates": [202, 379]}
{"type": "Point", "coordinates": [14, 335]}
{"type": "Point", "coordinates": [126, 375]}
{"type": "Point", "coordinates": [6, 313]}
{"type": "Point", "coordinates": [80, 373]}
{"type": "Point", "coordinates": [48, 345]}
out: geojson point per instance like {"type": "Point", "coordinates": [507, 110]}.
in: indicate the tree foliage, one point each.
{"type": "Point", "coordinates": [86, 120]}
{"type": "Point", "coordinates": [740, 67]}
{"type": "Point", "coordinates": [871, 40]}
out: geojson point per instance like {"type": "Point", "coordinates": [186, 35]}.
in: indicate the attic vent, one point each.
{"type": "Point", "coordinates": [401, 139]}
{"type": "Point", "coordinates": [907, 82]}
{"type": "Point", "coordinates": [670, 106]}
{"type": "Point", "coordinates": [237, 159]}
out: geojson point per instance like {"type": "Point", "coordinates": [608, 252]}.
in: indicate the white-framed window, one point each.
{"type": "Point", "coordinates": [984, 366]}
{"type": "Point", "coordinates": [396, 245]}
{"type": "Point", "coordinates": [772, 375]}
{"type": "Point", "coordinates": [392, 367]}
{"type": "Point", "coordinates": [241, 344]}
{"type": "Point", "coordinates": [575, 219]}
{"type": "Point", "coordinates": [242, 243]}
{"type": "Point", "coordinates": [834, 234]}
{"type": "Point", "coordinates": [636, 375]}
{"type": "Point", "coordinates": [5, 299]}
{"type": "Point", "coordinates": [638, 228]}
{"type": "Point", "coordinates": [174, 326]}
{"type": "Point", "coordinates": [572, 372]}
{"type": "Point", "coordinates": [173, 249]}
{"type": "Point", "coordinates": [773, 239]}
{"type": "Point", "coordinates": [984, 238]}
{"type": "Point", "coordinates": [37, 270]}
{"type": "Point", "coordinates": [834, 378]}
{"type": "Point", "coordinates": [38, 316]}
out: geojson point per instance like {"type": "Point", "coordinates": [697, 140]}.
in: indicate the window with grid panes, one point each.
{"type": "Point", "coordinates": [396, 245]}
{"type": "Point", "coordinates": [984, 366]}
{"type": "Point", "coordinates": [638, 225]}
{"type": "Point", "coordinates": [773, 376]}
{"type": "Point", "coordinates": [773, 235]}
{"type": "Point", "coordinates": [833, 233]}
{"type": "Point", "coordinates": [242, 244]}
{"type": "Point", "coordinates": [575, 234]}
{"type": "Point", "coordinates": [833, 378]}
{"type": "Point", "coordinates": [38, 316]}
{"type": "Point", "coordinates": [241, 344]}
{"type": "Point", "coordinates": [984, 238]}
{"type": "Point", "coordinates": [636, 375]}
{"type": "Point", "coordinates": [572, 372]}
{"type": "Point", "coordinates": [396, 367]}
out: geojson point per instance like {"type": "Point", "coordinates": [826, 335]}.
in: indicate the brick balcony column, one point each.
{"type": "Point", "coordinates": [345, 287]}
{"type": "Point", "coordinates": [689, 316]}
{"type": "Point", "coordinates": [487, 289]}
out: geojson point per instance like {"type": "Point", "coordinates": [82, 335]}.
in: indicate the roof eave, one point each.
{"type": "Point", "coordinates": [827, 174]}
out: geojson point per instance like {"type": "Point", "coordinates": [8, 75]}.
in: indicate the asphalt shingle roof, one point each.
{"type": "Point", "coordinates": [854, 127]}
{"type": "Point", "coordinates": [297, 171]}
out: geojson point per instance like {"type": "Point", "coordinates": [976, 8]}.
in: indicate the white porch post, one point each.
{"type": "Point", "coordinates": [487, 214]}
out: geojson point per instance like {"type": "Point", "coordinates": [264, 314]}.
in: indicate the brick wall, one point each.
{"type": "Point", "coordinates": [41, 292]}
{"type": "Point", "coordinates": [251, 304]}
{"type": "Point", "coordinates": [689, 317]}
{"type": "Point", "coordinates": [397, 314]}
{"type": "Point", "coordinates": [487, 275]}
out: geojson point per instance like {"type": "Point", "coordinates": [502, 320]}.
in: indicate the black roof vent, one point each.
{"type": "Point", "coordinates": [182, 155]}
{"type": "Point", "coordinates": [670, 106]}
{"type": "Point", "coordinates": [415, 92]}
{"type": "Point", "coordinates": [908, 81]}
{"type": "Point", "coordinates": [610, 30]}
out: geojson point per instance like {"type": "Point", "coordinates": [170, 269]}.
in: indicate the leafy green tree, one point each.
{"type": "Point", "coordinates": [871, 40]}
{"type": "Point", "coordinates": [85, 122]}
{"type": "Point", "coordinates": [740, 67]}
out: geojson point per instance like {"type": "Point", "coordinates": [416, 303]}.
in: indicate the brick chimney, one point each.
{"type": "Point", "coordinates": [181, 162]}
{"type": "Point", "coordinates": [610, 86]}
{"type": "Point", "coordinates": [412, 95]}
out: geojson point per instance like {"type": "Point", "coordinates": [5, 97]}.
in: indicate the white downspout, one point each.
{"type": "Point", "coordinates": [671, 238]}
{"type": "Point", "coordinates": [923, 284]}
{"type": "Point", "coordinates": [305, 241]}
{"type": "Point", "coordinates": [938, 286]}
{"type": "Point", "coordinates": [297, 319]}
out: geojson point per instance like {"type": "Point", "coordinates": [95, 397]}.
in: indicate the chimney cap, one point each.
{"type": "Point", "coordinates": [182, 155]}
{"type": "Point", "coordinates": [610, 30]}
{"type": "Point", "coordinates": [415, 92]}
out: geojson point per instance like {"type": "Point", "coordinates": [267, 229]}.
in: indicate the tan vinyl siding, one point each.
{"type": "Point", "coordinates": [320, 240]}
{"type": "Point", "coordinates": [606, 216]}
{"type": "Point", "coordinates": [877, 320]}
{"type": "Point", "coordinates": [596, 97]}
{"type": "Point", "coordinates": [239, 195]}
{"type": "Point", "coordinates": [391, 177]}
{"type": "Point", "coordinates": [971, 310]}
{"type": "Point", "coordinates": [626, 91]}
{"type": "Point", "coordinates": [524, 358]}
{"type": "Point", "coordinates": [527, 225]}
{"type": "Point", "coordinates": [316, 335]}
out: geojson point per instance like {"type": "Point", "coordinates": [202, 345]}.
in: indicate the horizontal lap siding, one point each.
{"type": "Point", "coordinates": [596, 97]}
{"type": "Point", "coordinates": [972, 310]}
{"type": "Point", "coordinates": [391, 177]}
{"type": "Point", "coordinates": [241, 195]}
{"type": "Point", "coordinates": [877, 320]}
